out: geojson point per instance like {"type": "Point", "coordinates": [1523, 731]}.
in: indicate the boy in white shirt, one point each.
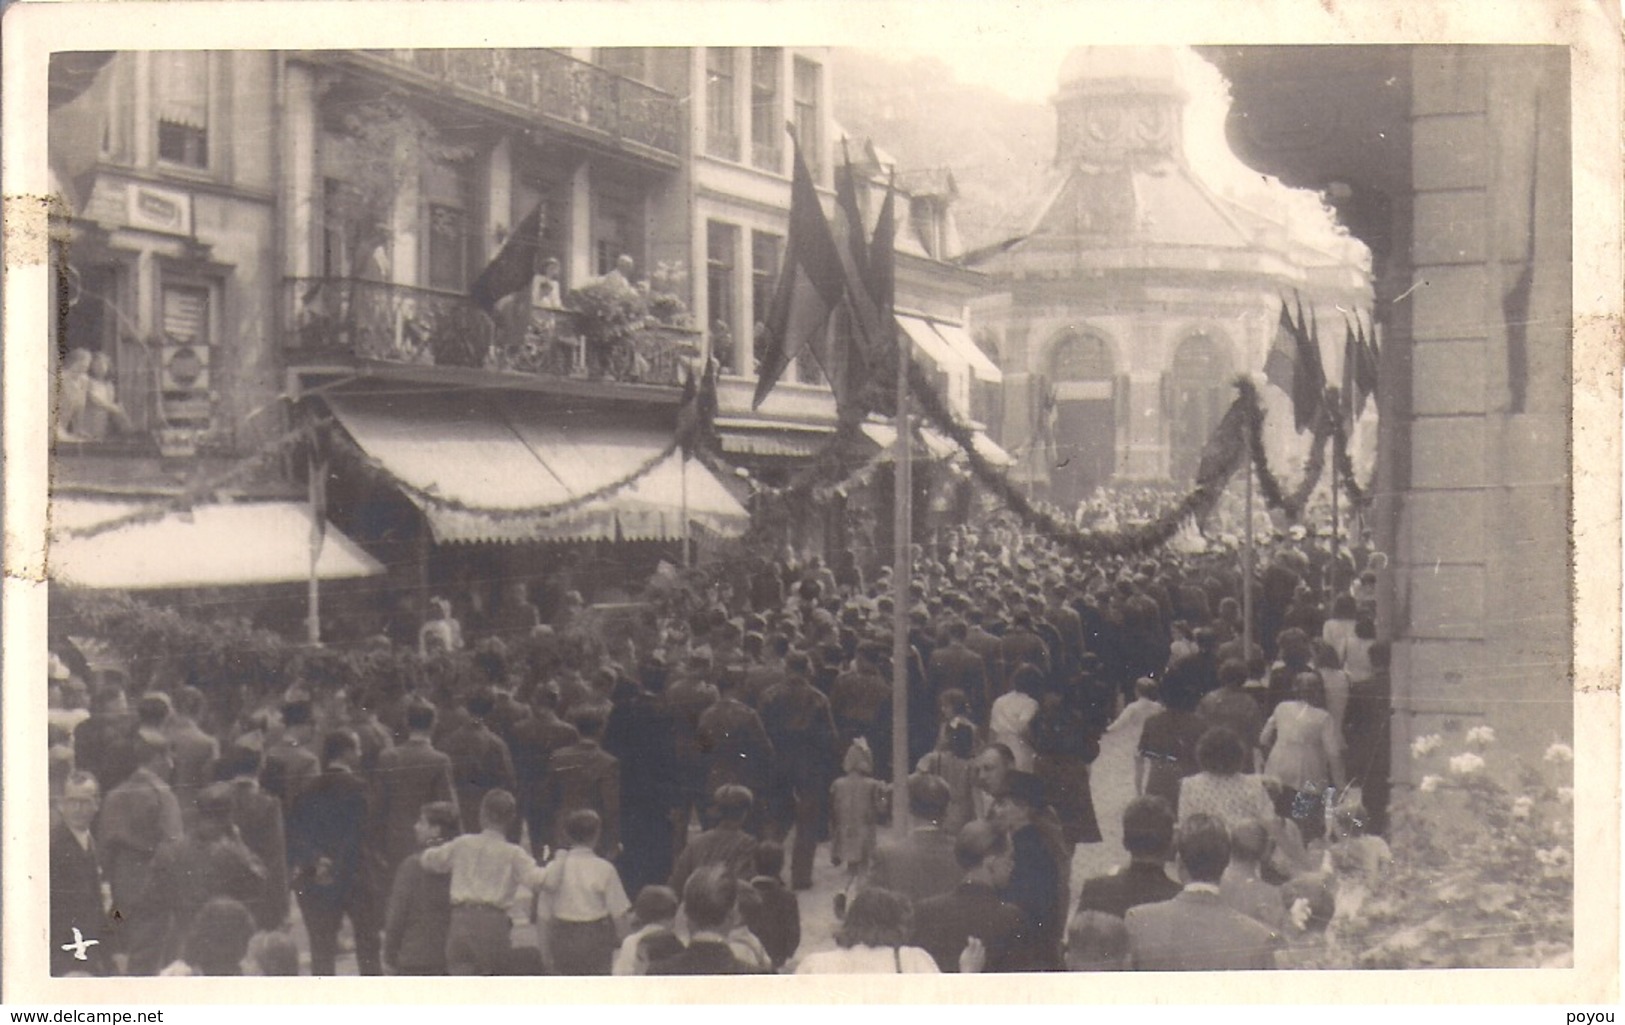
{"type": "Point", "coordinates": [486, 873]}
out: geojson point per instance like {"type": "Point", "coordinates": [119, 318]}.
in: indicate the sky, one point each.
{"type": "Point", "coordinates": [1029, 72]}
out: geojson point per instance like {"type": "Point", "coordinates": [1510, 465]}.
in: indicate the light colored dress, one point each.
{"type": "Point", "coordinates": [1232, 799]}
{"type": "Point", "coordinates": [855, 808]}
{"type": "Point", "coordinates": [1008, 723]}
{"type": "Point", "coordinates": [862, 960]}
{"type": "Point", "coordinates": [1305, 746]}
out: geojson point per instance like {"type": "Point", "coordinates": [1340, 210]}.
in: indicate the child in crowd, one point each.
{"type": "Point", "coordinates": [768, 907]}
{"type": "Point", "coordinates": [419, 913]}
{"type": "Point", "coordinates": [1096, 942]}
{"type": "Point", "coordinates": [486, 873]}
{"type": "Point", "coordinates": [954, 761]}
{"type": "Point", "coordinates": [654, 932]}
{"type": "Point", "coordinates": [581, 906]}
{"type": "Point", "coordinates": [856, 801]}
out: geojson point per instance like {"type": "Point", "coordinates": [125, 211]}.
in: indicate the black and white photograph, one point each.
{"type": "Point", "coordinates": [1000, 498]}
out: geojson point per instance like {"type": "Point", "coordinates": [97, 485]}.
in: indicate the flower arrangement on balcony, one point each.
{"type": "Point", "coordinates": [627, 329]}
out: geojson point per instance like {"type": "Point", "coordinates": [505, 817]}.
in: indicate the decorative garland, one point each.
{"type": "Point", "coordinates": [439, 501]}
{"type": "Point", "coordinates": [1359, 496]}
{"type": "Point", "coordinates": [199, 493]}
{"type": "Point", "coordinates": [1268, 484]}
{"type": "Point", "coordinates": [1198, 503]}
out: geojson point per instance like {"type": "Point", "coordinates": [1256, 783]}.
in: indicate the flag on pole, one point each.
{"type": "Point", "coordinates": [514, 266]}
{"type": "Point", "coordinates": [810, 286]}
{"type": "Point", "coordinates": [1294, 366]}
{"type": "Point", "coordinates": [1366, 372]}
{"type": "Point", "coordinates": [697, 410]}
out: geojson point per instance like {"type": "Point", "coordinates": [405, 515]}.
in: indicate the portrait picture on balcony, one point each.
{"type": "Point", "coordinates": [964, 490]}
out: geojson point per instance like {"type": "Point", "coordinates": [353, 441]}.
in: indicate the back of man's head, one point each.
{"type": "Point", "coordinates": [928, 796]}
{"type": "Point", "coordinates": [497, 809]}
{"type": "Point", "coordinates": [708, 897]}
{"type": "Point", "coordinates": [977, 842]}
{"type": "Point", "coordinates": [1204, 848]}
{"type": "Point", "coordinates": [733, 802]}
{"type": "Point", "coordinates": [1248, 842]}
{"type": "Point", "coordinates": [1148, 827]}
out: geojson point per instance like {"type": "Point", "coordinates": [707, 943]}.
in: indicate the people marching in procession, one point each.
{"type": "Point", "coordinates": [535, 800]}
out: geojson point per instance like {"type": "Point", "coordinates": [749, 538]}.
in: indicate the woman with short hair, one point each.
{"type": "Point", "coordinates": [1305, 751]}
{"type": "Point", "coordinates": [871, 938]}
{"type": "Point", "coordinates": [1222, 789]}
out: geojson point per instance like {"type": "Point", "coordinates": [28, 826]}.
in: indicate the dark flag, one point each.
{"type": "Point", "coordinates": [1294, 366]}
{"type": "Point", "coordinates": [1359, 372]}
{"type": "Point", "coordinates": [514, 265]}
{"type": "Point", "coordinates": [810, 286]}
{"type": "Point", "coordinates": [849, 368]}
{"type": "Point", "coordinates": [696, 412]}
{"type": "Point", "coordinates": [1515, 301]}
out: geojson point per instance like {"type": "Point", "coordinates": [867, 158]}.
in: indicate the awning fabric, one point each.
{"type": "Point", "coordinates": [223, 545]}
{"type": "Point", "coordinates": [931, 344]}
{"type": "Point", "coordinates": [494, 461]}
{"type": "Point", "coordinates": [961, 342]}
{"type": "Point", "coordinates": [765, 438]}
{"type": "Point", "coordinates": [989, 449]}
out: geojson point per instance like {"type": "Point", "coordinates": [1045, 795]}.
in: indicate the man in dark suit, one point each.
{"type": "Point", "coordinates": [709, 897]}
{"type": "Point", "coordinates": [258, 818]}
{"type": "Point", "coordinates": [1197, 931]}
{"type": "Point", "coordinates": [734, 743]}
{"type": "Point", "coordinates": [194, 751]}
{"type": "Point", "coordinates": [534, 740]}
{"type": "Point", "coordinates": [956, 667]}
{"type": "Point", "coordinates": [1148, 835]}
{"type": "Point", "coordinates": [211, 861]}
{"type": "Point", "coordinates": [139, 816]}
{"type": "Point", "coordinates": [944, 924]}
{"type": "Point", "coordinates": [410, 775]}
{"type": "Point", "coordinates": [922, 864]}
{"type": "Point", "coordinates": [290, 764]}
{"type": "Point", "coordinates": [104, 744]}
{"type": "Point", "coordinates": [333, 866]}
{"type": "Point", "coordinates": [584, 775]}
{"type": "Point", "coordinates": [78, 913]}
{"type": "Point", "coordinates": [802, 729]}
{"type": "Point", "coordinates": [1021, 645]}
{"type": "Point", "coordinates": [480, 761]}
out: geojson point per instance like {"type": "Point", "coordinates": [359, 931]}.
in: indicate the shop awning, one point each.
{"type": "Point", "coordinates": [224, 545]}
{"type": "Point", "coordinates": [932, 345]}
{"type": "Point", "coordinates": [989, 449]}
{"type": "Point", "coordinates": [768, 438]}
{"type": "Point", "coordinates": [489, 468]}
{"type": "Point", "coordinates": [962, 343]}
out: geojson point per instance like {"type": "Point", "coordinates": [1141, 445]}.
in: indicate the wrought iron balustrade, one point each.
{"type": "Point", "coordinates": [342, 319]}
{"type": "Point", "coordinates": [556, 86]}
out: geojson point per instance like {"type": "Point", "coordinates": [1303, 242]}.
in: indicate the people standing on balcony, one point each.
{"type": "Point", "coordinates": [545, 289]}
{"type": "Point", "coordinates": [72, 394]}
{"type": "Point", "coordinates": [621, 277]}
{"type": "Point", "coordinates": [101, 403]}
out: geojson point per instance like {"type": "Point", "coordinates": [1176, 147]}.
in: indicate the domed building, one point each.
{"type": "Point", "coordinates": [1138, 292]}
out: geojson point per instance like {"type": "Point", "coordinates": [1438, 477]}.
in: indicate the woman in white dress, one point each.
{"type": "Point", "coordinates": [1305, 752]}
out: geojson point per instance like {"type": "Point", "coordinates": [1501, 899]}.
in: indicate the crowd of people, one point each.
{"type": "Point", "coordinates": [658, 809]}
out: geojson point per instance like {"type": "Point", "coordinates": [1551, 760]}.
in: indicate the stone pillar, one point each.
{"type": "Point", "coordinates": [301, 198]}
{"type": "Point", "coordinates": [581, 267]}
{"type": "Point", "coordinates": [499, 198]}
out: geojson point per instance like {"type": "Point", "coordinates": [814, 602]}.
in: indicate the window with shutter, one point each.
{"type": "Point", "coordinates": [181, 84]}
{"type": "Point", "coordinates": [186, 357]}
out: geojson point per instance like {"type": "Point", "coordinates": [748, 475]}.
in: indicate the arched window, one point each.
{"type": "Point", "coordinates": [1081, 357]}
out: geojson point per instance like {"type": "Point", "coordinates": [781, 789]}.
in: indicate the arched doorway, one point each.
{"type": "Point", "coordinates": [1084, 420]}
{"type": "Point", "coordinates": [1198, 393]}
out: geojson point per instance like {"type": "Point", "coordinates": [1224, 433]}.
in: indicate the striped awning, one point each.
{"type": "Point", "coordinates": [224, 545]}
{"type": "Point", "coordinates": [767, 438]}
{"type": "Point", "coordinates": [488, 467]}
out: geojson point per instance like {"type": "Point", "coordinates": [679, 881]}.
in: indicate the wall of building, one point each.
{"type": "Point", "coordinates": [1481, 584]}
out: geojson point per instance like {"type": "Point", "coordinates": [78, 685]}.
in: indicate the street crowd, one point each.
{"type": "Point", "coordinates": [659, 808]}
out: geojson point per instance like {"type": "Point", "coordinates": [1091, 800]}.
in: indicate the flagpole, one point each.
{"type": "Point", "coordinates": [902, 571]}
{"type": "Point", "coordinates": [684, 504]}
{"type": "Point", "coordinates": [1337, 456]}
{"type": "Point", "coordinates": [1247, 571]}
{"type": "Point", "coordinates": [316, 473]}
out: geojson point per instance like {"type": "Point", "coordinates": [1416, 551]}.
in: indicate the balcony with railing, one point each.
{"type": "Point", "coordinates": [570, 93]}
{"type": "Point", "coordinates": [344, 320]}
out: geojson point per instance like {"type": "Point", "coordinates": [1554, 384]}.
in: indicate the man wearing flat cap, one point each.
{"type": "Point", "coordinates": [138, 817]}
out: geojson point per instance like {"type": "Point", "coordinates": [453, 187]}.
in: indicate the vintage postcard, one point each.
{"type": "Point", "coordinates": [570, 496]}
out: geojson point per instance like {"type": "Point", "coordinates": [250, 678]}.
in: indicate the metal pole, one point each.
{"type": "Point", "coordinates": [316, 485]}
{"type": "Point", "coordinates": [684, 500]}
{"type": "Point", "coordinates": [902, 571]}
{"type": "Point", "coordinates": [1330, 583]}
{"type": "Point", "coordinates": [1247, 571]}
